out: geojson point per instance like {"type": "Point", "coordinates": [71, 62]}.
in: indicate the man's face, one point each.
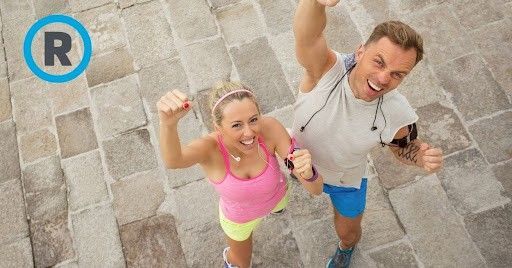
{"type": "Point", "coordinates": [381, 67]}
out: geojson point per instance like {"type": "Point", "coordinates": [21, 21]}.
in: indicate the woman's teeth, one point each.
{"type": "Point", "coordinates": [248, 142]}
{"type": "Point", "coordinates": [373, 86]}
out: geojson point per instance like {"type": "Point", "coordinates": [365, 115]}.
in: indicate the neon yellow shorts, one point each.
{"type": "Point", "coordinates": [242, 231]}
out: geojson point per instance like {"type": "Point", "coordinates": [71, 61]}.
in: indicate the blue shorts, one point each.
{"type": "Point", "coordinates": [348, 201]}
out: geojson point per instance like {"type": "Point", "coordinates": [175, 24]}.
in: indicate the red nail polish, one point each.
{"type": "Point", "coordinates": [185, 105]}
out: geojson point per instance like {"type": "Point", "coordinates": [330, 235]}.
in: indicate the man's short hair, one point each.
{"type": "Point", "coordinates": [400, 34]}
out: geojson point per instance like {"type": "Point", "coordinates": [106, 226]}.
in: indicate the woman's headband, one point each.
{"type": "Point", "coordinates": [228, 94]}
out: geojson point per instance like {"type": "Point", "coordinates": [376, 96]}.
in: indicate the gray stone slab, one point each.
{"type": "Point", "coordinates": [317, 241]}
{"type": "Point", "coordinates": [492, 40]}
{"type": "Point", "coordinates": [128, 3]}
{"type": "Point", "coordinates": [149, 33]}
{"type": "Point", "coordinates": [205, 63]}
{"type": "Point", "coordinates": [366, 14]}
{"type": "Point", "coordinates": [13, 222]}
{"type": "Point", "coordinates": [109, 67]}
{"type": "Point", "coordinates": [46, 7]}
{"type": "Point", "coordinates": [421, 87]}
{"type": "Point", "coordinates": [78, 5]}
{"type": "Point", "coordinates": [18, 70]}
{"type": "Point", "coordinates": [51, 241]}
{"type": "Point", "coordinates": [403, 7]}
{"type": "Point", "coordinates": [492, 232]}
{"type": "Point", "coordinates": [76, 133]}
{"type": "Point", "coordinates": [204, 199]}
{"type": "Point", "coordinates": [278, 15]}
{"type": "Point", "coordinates": [399, 255]}
{"type": "Point", "coordinates": [284, 47]}
{"type": "Point", "coordinates": [284, 116]}
{"type": "Point", "coordinates": [17, 254]}
{"type": "Point", "coordinates": [191, 20]}
{"type": "Point", "coordinates": [440, 127]}
{"type": "Point", "coordinates": [152, 242]}
{"type": "Point", "coordinates": [38, 144]}
{"type": "Point", "coordinates": [379, 224]}
{"type": "Point", "coordinates": [85, 180]}
{"type": "Point", "coordinates": [9, 158]}
{"type": "Point", "coordinates": [504, 174]}
{"type": "Point", "coordinates": [13, 9]}
{"type": "Point", "coordinates": [446, 39]}
{"type": "Point", "coordinates": [259, 69]}
{"type": "Point", "coordinates": [45, 189]}
{"type": "Point", "coordinates": [470, 183]}
{"type": "Point", "coordinates": [341, 32]}
{"type": "Point", "coordinates": [240, 23]}
{"type": "Point", "coordinates": [5, 100]}
{"type": "Point", "coordinates": [129, 153]}
{"type": "Point", "coordinates": [473, 14]}
{"type": "Point", "coordinates": [212, 240]}
{"type": "Point", "coordinates": [14, 34]}
{"type": "Point", "coordinates": [67, 97]}
{"type": "Point", "coordinates": [118, 107]}
{"type": "Point", "coordinates": [31, 109]}
{"type": "Point", "coordinates": [97, 239]}
{"type": "Point", "coordinates": [474, 91]}
{"type": "Point", "coordinates": [433, 226]}
{"type": "Point", "coordinates": [492, 137]}
{"type": "Point", "coordinates": [274, 244]}
{"type": "Point", "coordinates": [221, 3]}
{"type": "Point", "coordinates": [104, 27]}
{"type": "Point", "coordinates": [137, 197]}
{"type": "Point", "coordinates": [3, 69]}
{"type": "Point", "coordinates": [160, 78]}
{"type": "Point", "coordinates": [304, 208]}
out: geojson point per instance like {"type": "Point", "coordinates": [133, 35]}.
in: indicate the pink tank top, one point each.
{"type": "Point", "coordinates": [243, 200]}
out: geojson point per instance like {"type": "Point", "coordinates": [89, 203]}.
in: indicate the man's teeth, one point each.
{"type": "Point", "coordinates": [373, 86]}
{"type": "Point", "coordinates": [248, 142]}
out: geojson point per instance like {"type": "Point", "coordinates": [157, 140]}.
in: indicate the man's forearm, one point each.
{"type": "Point", "coordinates": [309, 21]}
{"type": "Point", "coordinates": [408, 155]}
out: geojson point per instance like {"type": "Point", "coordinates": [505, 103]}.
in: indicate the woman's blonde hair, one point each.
{"type": "Point", "coordinates": [222, 90]}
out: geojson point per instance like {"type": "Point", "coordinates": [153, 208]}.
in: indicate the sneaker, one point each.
{"type": "Point", "coordinates": [225, 257]}
{"type": "Point", "coordinates": [279, 212]}
{"type": "Point", "coordinates": [341, 258]}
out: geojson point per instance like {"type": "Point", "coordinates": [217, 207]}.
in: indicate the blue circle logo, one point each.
{"type": "Point", "coordinates": [27, 48]}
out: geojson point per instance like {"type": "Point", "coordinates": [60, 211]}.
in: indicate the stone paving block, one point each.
{"type": "Point", "coordinates": [341, 32]}
{"type": "Point", "coordinates": [118, 107]}
{"type": "Point", "coordinates": [284, 47]}
{"type": "Point", "coordinates": [399, 255]}
{"type": "Point", "coordinates": [51, 241]}
{"type": "Point", "coordinates": [17, 70]}
{"type": "Point", "coordinates": [433, 226]}
{"type": "Point", "coordinates": [129, 153]}
{"type": "Point", "coordinates": [504, 174]}
{"type": "Point", "coordinates": [274, 244]}
{"type": "Point", "coordinates": [206, 63]}
{"type": "Point", "coordinates": [440, 127]}
{"type": "Point", "coordinates": [316, 240]}
{"type": "Point", "coordinates": [284, 116]}
{"type": "Point", "coordinates": [221, 3]}
{"type": "Point", "coordinates": [157, 80]}
{"type": "Point", "coordinates": [492, 232]}
{"type": "Point", "coordinates": [379, 223]}
{"type": "Point", "coordinates": [137, 197]}
{"type": "Point", "coordinates": [67, 97]}
{"type": "Point", "coordinates": [104, 27]}
{"type": "Point", "coordinates": [85, 180]}
{"type": "Point", "coordinates": [191, 20]}
{"type": "Point", "coordinates": [13, 222]}
{"type": "Point", "coordinates": [127, 3]}
{"type": "Point", "coordinates": [366, 14]}
{"type": "Point", "coordinates": [76, 133]}
{"type": "Point", "coordinates": [78, 5]}
{"type": "Point", "coordinates": [493, 138]}
{"type": "Point", "coordinates": [470, 184]}
{"type": "Point", "coordinates": [17, 254]}
{"type": "Point", "coordinates": [44, 8]}
{"type": "Point", "coordinates": [152, 242]}
{"type": "Point", "coordinates": [13, 9]}
{"type": "Point", "coordinates": [492, 40]}
{"type": "Point", "coordinates": [73, 264]}
{"type": "Point", "coordinates": [9, 158]}
{"type": "Point", "coordinates": [38, 144]}
{"type": "Point", "coordinates": [5, 100]}
{"type": "Point", "coordinates": [45, 189]}
{"type": "Point", "coordinates": [3, 69]}
{"type": "Point", "coordinates": [447, 40]}
{"type": "Point", "coordinates": [421, 87]}
{"type": "Point", "coordinates": [31, 109]}
{"type": "Point", "coordinates": [403, 7]}
{"type": "Point", "coordinates": [473, 14]}
{"type": "Point", "coordinates": [109, 67]}
{"type": "Point", "coordinates": [260, 70]}
{"type": "Point", "coordinates": [212, 240]}
{"type": "Point", "coordinates": [474, 91]}
{"type": "Point", "coordinates": [304, 208]}
{"type": "Point", "coordinates": [278, 15]}
{"type": "Point", "coordinates": [239, 23]}
{"type": "Point", "coordinates": [97, 239]}
{"type": "Point", "coordinates": [149, 33]}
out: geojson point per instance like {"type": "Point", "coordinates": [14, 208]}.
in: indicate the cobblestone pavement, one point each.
{"type": "Point", "coordinates": [82, 183]}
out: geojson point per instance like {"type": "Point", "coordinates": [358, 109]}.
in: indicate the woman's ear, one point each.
{"type": "Point", "coordinates": [216, 127]}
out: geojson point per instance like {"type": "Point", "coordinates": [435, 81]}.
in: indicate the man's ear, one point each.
{"type": "Point", "coordinates": [359, 52]}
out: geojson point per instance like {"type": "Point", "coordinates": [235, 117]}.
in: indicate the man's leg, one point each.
{"type": "Point", "coordinates": [348, 229]}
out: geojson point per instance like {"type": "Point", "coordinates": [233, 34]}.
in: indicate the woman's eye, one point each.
{"type": "Point", "coordinates": [236, 125]}
{"type": "Point", "coordinates": [253, 120]}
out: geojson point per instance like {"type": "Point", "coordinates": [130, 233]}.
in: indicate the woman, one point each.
{"type": "Point", "coordinates": [240, 160]}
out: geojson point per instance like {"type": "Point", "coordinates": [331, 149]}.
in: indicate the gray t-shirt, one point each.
{"type": "Point", "coordinates": [339, 137]}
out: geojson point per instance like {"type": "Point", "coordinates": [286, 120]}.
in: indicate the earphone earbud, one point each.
{"type": "Point", "coordinates": [373, 128]}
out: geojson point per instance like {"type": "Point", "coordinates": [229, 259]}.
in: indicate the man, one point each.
{"type": "Point", "coordinates": [347, 104]}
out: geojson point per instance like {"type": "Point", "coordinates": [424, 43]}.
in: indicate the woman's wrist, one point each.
{"type": "Point", "coordinates": [314, 176]}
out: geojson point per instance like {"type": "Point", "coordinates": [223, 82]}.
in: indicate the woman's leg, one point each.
{"type": "Point", "coordinates": [240, 252]}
